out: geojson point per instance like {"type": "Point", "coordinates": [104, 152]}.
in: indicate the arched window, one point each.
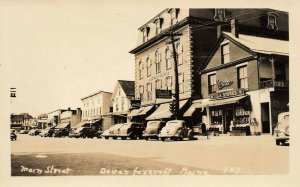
{"type": "Point", "coordinates": [148, 67]}
{"type": "Point", "coordinates": [141, 69]}
{"type": "Point", "coordinates": [157, 62]}
{"type": "Point", "coordinates": [179, 50]}
{"type": "Point", "coordinates": [168, 59]}
{"type": "Point", "coordinates": [272, 21]}
{"type": "Point", "coordinates": [141, 91]}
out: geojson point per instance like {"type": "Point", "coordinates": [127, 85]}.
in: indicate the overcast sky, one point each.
{"type": "Point", "coordinates": [60, 51]}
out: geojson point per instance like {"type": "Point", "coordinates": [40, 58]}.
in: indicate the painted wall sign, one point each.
{"type": "Point", "coordinates": [227, 94]}
{"type": "Point", "coordinates": [222, 84]}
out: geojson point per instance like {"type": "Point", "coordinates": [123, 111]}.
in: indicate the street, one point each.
{"type": "Point", "coordinates": [218, 155]}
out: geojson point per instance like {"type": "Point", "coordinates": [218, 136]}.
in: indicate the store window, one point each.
{"type": "Point", "coordinates": [157, 61]}
{"type": "Point", "coordinates": [168, 59]}
{"type": "Point", "coordinates": [220, 15]}
{"type": "Point", "coordinates": [148, 67]}
{"type": "Point", "coordinates": [216, 117]}
{"type": "Point", "coordinates": [181, 83]}
{"type": "Point", "coordinates": [225, 53]}
{"type": "Point", "coordinates": [141, 91]}
{"type": "Point", "coordinates": [141, 67]}
{"type": "Point", "coordinates": [169, 83]}
{"type": "Point", "coordinates": [179, 50]}
{"type": "Point", "coordinates": [212, 83]}
{"type": "Point", "coordinates": [149, 91]}
{"type": "Point", "coordinates": [272, 21]}
{"type": "Point", "coordinates": [242, 77]}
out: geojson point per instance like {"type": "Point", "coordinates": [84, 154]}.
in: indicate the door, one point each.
{"type": "Point", "coordinates": [228, 119]}
{"type": "Point", "coordinates": [265, 117]}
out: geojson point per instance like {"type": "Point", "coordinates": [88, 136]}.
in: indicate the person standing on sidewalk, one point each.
{"type": "Point", "coordinates": [203, 129]}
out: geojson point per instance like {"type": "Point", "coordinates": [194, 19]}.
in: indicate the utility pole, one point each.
{"type": "Point", "coordinates": [172, 35]}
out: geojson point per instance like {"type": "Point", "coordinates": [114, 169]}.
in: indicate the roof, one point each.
{"type": "Point", "coordinates": [90, 95]}
{"type": "Point", "coordinates": [127, 86]}
{"type": "Point", "coordinates": [262, 44]}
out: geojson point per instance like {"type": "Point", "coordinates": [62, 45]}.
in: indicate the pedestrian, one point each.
{"type": "Point", "coordinates": [203, 129]}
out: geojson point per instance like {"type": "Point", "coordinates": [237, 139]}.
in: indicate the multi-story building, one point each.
{"type": "Point", "coordinates": [121, 100]}
{"type": "Point", "coordinates": [70, 118]}
{"type": "Point", "coordinates": [95, 109]}
{"type": "Point", "coordinates": [20, 121]}
{"type": "Point", "coordinates": [199, 31]}
{"type": "Point", "coordinates": [244, 83]}
{"type": "Point", "coordinates": [54, 117]}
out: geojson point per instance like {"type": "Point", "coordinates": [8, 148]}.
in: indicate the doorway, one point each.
{"type": "Point", "coordinates": [228, 119]}
{"type": "Point", "coordinates": [265, 117]}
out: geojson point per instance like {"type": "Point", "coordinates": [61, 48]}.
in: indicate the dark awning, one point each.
{"type": "Point", "coordinates": [192, 109]}
{"type": "Point", "coordinates": [81, 124]}
{"type": "Point", "coordinates": [220, 102]}
{"type": "Point", "coordinates": [63, 125]}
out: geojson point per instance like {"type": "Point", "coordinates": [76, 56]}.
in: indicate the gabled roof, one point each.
{"type": "Point", "coordinates": [262, 44]}
{"type": "Point", "coordinates": [127, 86]}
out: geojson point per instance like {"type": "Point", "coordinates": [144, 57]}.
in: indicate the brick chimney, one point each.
{"type": "Point", "coordinates": [234, 28]}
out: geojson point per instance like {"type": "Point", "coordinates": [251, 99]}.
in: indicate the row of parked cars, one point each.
{"type": "Point", "coordinates": [174, 130]}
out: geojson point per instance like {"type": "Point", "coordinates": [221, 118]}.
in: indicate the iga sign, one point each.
{"type": "Point", "coordinates": [163, 94]}
{"type": "Point", "coordinates": [228, 94]}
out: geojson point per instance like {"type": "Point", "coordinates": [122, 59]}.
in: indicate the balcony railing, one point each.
{"type": "Point", "coordinates": [275, 84]}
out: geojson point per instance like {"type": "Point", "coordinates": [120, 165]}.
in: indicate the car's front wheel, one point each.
{"type": "Point", "coordinates": [147, 138]}
{"type": "Point", "coordinates": [278, 142]}
{"type": "Point", "coordinates": [162, 139]}
{"type": "Point", "coordinates": [106, 137]}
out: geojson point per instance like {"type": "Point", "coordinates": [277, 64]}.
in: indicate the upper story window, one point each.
{"type": "Point", "coordinates": [168, 59]}
{"type": "Point", "coordinates": [179, 51]}
{"type": "Point", "coordinates": [181, 83]}
{"type": "Point", "coordinates": [145, 34]}
{"type": "Point", "coordinates": [148, 67]}
{"type": "Point", "coordinates": [149, 91]}
{"type": "Point", "coordinates": [173, 14]}
{"type": "Point", "coordinates": [158, 84]}
{"type": "Point", "coordinates": [169, 83]}
{"type": "Point", "coordinates": [157, 61]}
{"type": "Point", "coordinates": [212, 83]}
{"type": "Point", "coordinates": [225, 53]}
{"type": "Point", "coordinates": [220, 14]}
{"type": "Point", "coordinates": [141, 67]}
{"type": "Point", "coordinates": [157, 26]}
{"type": "Point", "coordinates": [119, 91]}
{"type": "Point", "coordinates": [272, 21]}
{"type": "Point", "coordinates": [117, 104]}
{"type": "Point", "coordinates": [122, 103]}
{"type": "Point", "coordinates": [242, 77]}
{"type": "Point", "coordinates": [141, 91]}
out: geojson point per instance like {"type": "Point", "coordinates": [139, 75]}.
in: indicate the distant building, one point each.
{"type": "Point", "coordinates": [19, 121]}
{"type": "Point", "coordinates": [95, 109]}
{"type": "Point", "coordinates": [70, 118]}
{"type": "Point", "coordinates": [42, 121]}
{"type": "Point", "coordinates": [54, 117]}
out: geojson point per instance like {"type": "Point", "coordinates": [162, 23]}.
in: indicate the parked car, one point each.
{"type": "Point", "coordinates": [112, 132]}
{"type": "Point", "coordinates": [281, 130]}
{"type": "Point", "coordinates": [35, 132]}
{"type": "Point", "coordinates": [98, 134]}
{"type": "Point", "coordinates": [13, 135]}
{"type": "Point", "coordinates": [44, 133]}
{"type": "Point", "coordinates": [61, 132]}
{"type": "Point", "coordinates": [153, 129]}
{"type": "Point", "coordinates": [24, 132]}
{"type": "Point", "coordinates": [131, 130]}
{"type": "Point", "coordinates": [82, 132]}
{"type": "Point", "coordinates": [176, 130]}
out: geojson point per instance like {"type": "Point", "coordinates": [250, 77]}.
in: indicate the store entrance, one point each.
{"type": "Point", "coordinates": [228, 119]}
{"type": "Point", "coordinates": [265, 117]}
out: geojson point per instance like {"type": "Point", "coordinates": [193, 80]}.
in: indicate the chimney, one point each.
{"type": "Point", "coordinates": [219, 31]}
{"type": "Point", "coordinates": [234, 28]}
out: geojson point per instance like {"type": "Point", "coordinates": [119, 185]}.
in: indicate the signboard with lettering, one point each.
{"type": "Point", "coordinates": [222, 84]}
{"type": "Point", "coordinates": [135, 103]}
{"type": "Point", "coordinates": [227, 94]}
{"type": "Point", "coordinates": [158, 76]}
{"type": "Point", "coordinates": [163, 94]}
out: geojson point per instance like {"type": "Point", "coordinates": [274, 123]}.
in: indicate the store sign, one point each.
{"type": "Point", "coordinates": [135, 103]}
{"type": "Point", "coordinates": [222, 84]}
{"type": "Point", "coordinates": [227, 94]}
{"type": "Point", "coordinates": [163, 94]}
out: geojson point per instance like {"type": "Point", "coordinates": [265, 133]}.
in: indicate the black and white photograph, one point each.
{"type": "Point", "coordinates": [114, 93]}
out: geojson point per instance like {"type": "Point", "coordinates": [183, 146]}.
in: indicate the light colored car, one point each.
{"type": "Point", "coordinates": [153, 128]}
{"type": "Point", "coordinates": [176, 130]}
{"type": "Point", "coordinates": [131, 130]}
{"type": "Point", "coordinates": [281, 131]}
{"type": "Point", "coordinates": [112, 132]}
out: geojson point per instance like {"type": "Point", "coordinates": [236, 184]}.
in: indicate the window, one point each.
{"type": "Point", "coordinates": [145, 34]}
{"type": "Point", "coordinates": [220, 15]}
{"type": "Point", "coordinates": [141, 91]}
{"type": "Point", "coordinates": [179, 51]}
{"type": "Point", "coordinates": [119, 91]}
{"type": "Point", "coordinates": [141, 67]}
{"type": "Point", "coordinates": [243, 77]}
{"type": "Point", "coordinates": [148, 67]}
{"type": "Point", "coordinates": [149, 91]}
{"type": "Point", "coordinates": [117, 104]}
{"type": "Point", "coordinates": [158, 84]}
{"type": "Point", "coordinates": [168, 59]}
{"type": "Point", "coordinates": [157, 26]}
{"type": "Point", "coordinates": [122, 104]}
{"type": "Point", "coordinates": [212, 83]}
{"type": "Point", "coordinates": [169, 83]}
{"type": "Point", "coordinates": [272, 21]}
{"type": "Point", "coordinates": [157, 62]}
{"type": "Point", "coordinates": [181, 83]}
{"type": "Point", "coordinates": [225, 53]}
{"type": "Point", "coordinates": [173, 16]}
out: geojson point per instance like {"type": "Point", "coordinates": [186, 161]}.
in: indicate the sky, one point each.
{"type": "Point", "coordinates": [60, 51]}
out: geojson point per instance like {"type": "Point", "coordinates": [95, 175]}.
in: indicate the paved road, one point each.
{"type": "Point", "coordinates": [217, 155]}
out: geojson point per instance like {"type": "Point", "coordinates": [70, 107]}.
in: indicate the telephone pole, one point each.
{"type": "Point", "coordinates": [172, 36]}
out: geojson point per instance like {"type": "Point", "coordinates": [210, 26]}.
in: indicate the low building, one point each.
{"type": "Point", "coordinates": [42, 121]}
{"type": "Point", "coordinates": [244, 84]}
{"type": "Point", "coordinates": [54, 117]}
{"type": "Point", "coordinates": [70, 118]}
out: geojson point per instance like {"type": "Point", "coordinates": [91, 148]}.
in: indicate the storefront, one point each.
{"type": "Point", "coordinates": [139, 115]}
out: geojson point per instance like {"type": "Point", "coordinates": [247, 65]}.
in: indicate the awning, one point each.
{"type": "Point", "coordinates": [220, 102]}
{"type": "Point", "coordinates": [145, 110]}
{"type": "Point", "coordinates": [81, 124]}
{"type": "Point", "coordinates": [192, 109]}
{"type": "Point", "coordinates": [123, 113]}
{"type": "Point", "coordinates": [134, 112]}
{"type": "Point", "coordinates": [62, 125]}
{"type": "Point", "coordinates": [163, 111]}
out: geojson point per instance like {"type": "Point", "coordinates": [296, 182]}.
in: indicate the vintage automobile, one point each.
{"type": "Point", "coordinates": [176, 130]}
{"type": "Point", "coordinates": [61, 132]}
{"type": "Point", "coordinates": [281, 130]}
{"type": "Point", "coordinates": [46, 133]}
{"type": "Point", "coordinates": [13, 135]}
{"type": "Point", "coordinates": [34, 132]}
{"type": "Point", "coordinates": [112, 132]}
{"type": "Point", "coordinates": [83, 132]}
{"type": "Point", "coordinates": [153, 129]}
{"type": "Point", "coordinates": [131, 130]}
{"type": "Point", "coordinates": [24, 132]}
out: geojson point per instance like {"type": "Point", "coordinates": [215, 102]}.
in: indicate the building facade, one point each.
{"type": "Point", "coordinates": [70, 118]}
{"type": "Point", "coordinates": [54, 117]}
{"type": "Point", "coordinates": [20, 121]}
{"type": "Point", "coordinates": [96, 107]}
{"type": "Point", "coordinates": [199, 32]}
{"type": "Point", "coordinates": [121, 100]}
